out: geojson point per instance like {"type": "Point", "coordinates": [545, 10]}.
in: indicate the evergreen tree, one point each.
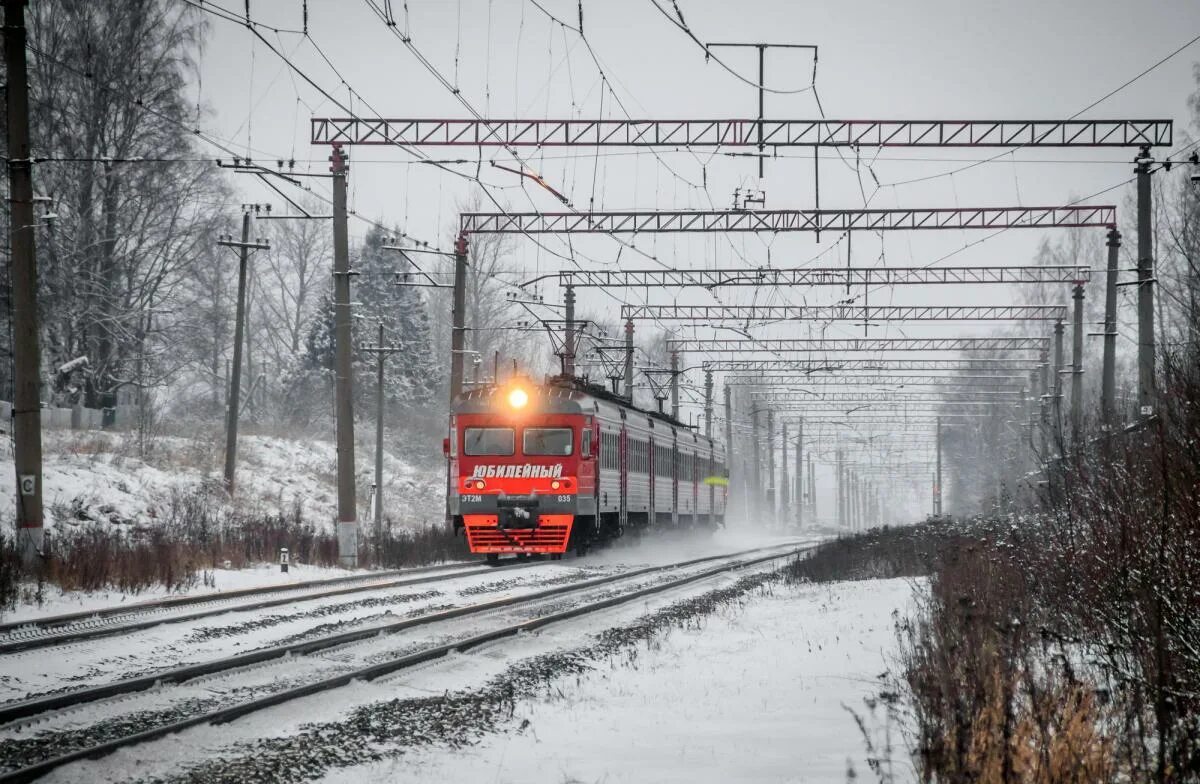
{"type": "Point", "coordinates": [411, 373]}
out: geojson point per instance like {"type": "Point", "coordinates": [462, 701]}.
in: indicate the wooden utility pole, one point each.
{"type": "Point", "coordinates": [347, 519]}
{"type": "Point", "coordinates": [27, 404]}
{"type": "Point", "coordinates": [233, 404]}
{"type": "Point", "coordinates": [381, 353]}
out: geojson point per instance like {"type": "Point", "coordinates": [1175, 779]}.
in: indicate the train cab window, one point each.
{"type": "Point", "coordinates": [548, 441]}
{"type": "Point", "coordinates": [585, 443]}
{"type": "Point", "coordinates": [480, 441]}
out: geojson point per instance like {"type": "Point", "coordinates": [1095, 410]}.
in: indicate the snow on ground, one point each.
{"type": "Point", "coordinates": [94, 476]}
{"type": "Point", "coordinates": [757, 694]}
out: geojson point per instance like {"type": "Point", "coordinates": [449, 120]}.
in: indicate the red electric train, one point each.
{"type": "Point", "coordinates": [543, 468]}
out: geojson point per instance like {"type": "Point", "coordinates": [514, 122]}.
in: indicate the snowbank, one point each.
{"type": "Point", "coordinates": [97, 477]}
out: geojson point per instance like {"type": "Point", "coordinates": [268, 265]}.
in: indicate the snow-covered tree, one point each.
{"type": "Point", "coordinates": [411, 374]}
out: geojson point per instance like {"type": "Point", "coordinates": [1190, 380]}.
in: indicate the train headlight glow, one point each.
{"type": "Point", "coordinates": [517, 397]}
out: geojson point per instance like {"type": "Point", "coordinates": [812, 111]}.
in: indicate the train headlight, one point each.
{"type": "Point", "coordinates": [517, 397]}
{"type": "Point", "coordinates": [555, 485]}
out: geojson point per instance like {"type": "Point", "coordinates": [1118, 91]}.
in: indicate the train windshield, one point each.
{"type": "Point", "coordinates": [479, 441]}
{"type": "Point", "coordinates": [548, 441]}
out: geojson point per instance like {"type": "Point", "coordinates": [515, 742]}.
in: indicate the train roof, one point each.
{"type": "Point", "coordinates": [559, 395]}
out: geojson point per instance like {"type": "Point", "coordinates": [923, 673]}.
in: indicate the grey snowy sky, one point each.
{"type": "Point", "coordinates": [921, 60]}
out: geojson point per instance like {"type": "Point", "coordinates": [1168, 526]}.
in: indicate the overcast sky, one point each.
{"type": "Point", "coordinates": [879, 59]}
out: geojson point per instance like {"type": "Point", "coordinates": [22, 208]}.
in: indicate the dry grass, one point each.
{"type": "Point", "coordinates": [1061, 645]}
{"type": "Point", "coordinates": [196, 535]}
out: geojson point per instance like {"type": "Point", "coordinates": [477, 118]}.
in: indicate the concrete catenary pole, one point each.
{"type": "Point", "coordinates": [233, 408]}
{"type": "Point", "coordinates": [708, 403]}
{"type": "Point", "coordinates": [770, 466]}
{"type": "Point", "coordinates": [675, 385]}
{"type": "Point", "coordinates": [629, 359]}
{"type": "Point", "coordinates": [812, 488]}
{"type": "Point", "coordinates": [381, 355]}
{"type": "Point", "coordinates": [784, 479]}
{"type": "Point", "coordinates": [1077, 369]}
{"type": "Point", "coordinates": [755, 462]}
{"type": "Point", "coordinates": [800, 500]}
{"type": "Point", "coordinates": [27, 421]}
{"type": "Point", "coordinates": [347, 520]}
{"type": "Point", "coordinates": [1108, 389]}
{"type": "Point", "coordinates": [1145, 276]}
{"type": "Point", "coordinates": [1056, 412]}
{"type": "Point", "coordinates": [1044, 406]}
{"type": "Point", "coordinates": [937, 477]}
{"type": "Point", "coordinates": [458, 318]}
{"type": "Point", "coordinates": [841, 489]}
{"type": "Point", "coordinates": [569, 338]}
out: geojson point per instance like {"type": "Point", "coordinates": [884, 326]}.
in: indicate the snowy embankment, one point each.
{"type": "Point", "coordinates": [97, 477]}
{"type": "Point", "coordinates": [763, 692]}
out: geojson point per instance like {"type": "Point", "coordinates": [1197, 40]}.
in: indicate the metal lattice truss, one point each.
{"type": "Point", "coordinates": [820, 276]}
{"type": "Point", "coordinates": [883, 396]}
{"type": "Point", "coordinates": [814, 366]}
{"type": "Point", "coordinates": [808, 345]}
{"type": "Point", "coordinates": [663, 221]}
{"type": "Point", "coordinates": [908, 424]}
{"type": "Point", "coordinates": [928, 408]}
{"type": "Point", "coordinates": [740, 133]}
{"type": "Point", "coordinates": [869, 313]}
{"type": "Point", "coordinates": [937, 382]}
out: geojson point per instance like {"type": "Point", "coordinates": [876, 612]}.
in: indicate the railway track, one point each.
{"type": "Point", "coordinates": [71, 745]}
{"type": "Point", "coordinates": [76, 627]}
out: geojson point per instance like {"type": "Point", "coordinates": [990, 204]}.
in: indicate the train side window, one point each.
{"type": "Point", "coordinates": [481, 441]}
{"type": "Point", "coordinates": [585, 443]}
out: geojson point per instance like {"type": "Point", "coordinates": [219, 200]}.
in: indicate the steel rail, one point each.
{"type": "Point", "coordinates": [17, 644]}
{"type": "Point", "coordinates": [182, 601]}
{"type": "Point", "coordinates": [370, 672]}
{"type": "Point", "coordinates": [27, 708]}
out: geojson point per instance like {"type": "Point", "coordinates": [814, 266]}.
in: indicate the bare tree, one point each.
{"type": "Point", "coordinates": [291, 276]}
{"type": "Point", "coordinates": [135, 207]}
